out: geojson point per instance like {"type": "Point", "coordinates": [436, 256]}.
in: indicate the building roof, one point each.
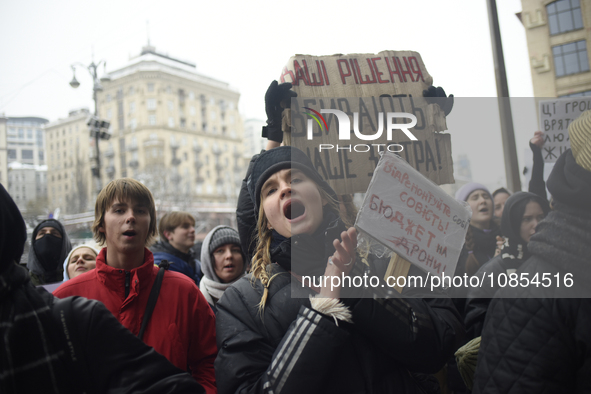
{"type": "Point", "coordinates": [73, 116]}
{"type": "Point", "coordinates": [151, 60]}
{"type": "Point", "coordinates": [21, 119]}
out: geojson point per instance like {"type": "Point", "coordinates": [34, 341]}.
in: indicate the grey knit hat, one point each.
{"type": "Point", "coordinates": [222, 236]}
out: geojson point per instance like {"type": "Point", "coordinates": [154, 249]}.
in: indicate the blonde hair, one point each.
{"type": "Point", "coordinates": [123, 189]}
{"type": "Point", "coordinates": [261, 260]}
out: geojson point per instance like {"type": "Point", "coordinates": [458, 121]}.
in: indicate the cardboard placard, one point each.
{"type": "Point", "coordinates": [414, 217]}
{"type": "Point", "coordinates": [395, 80]}
{"type": "Point", "coordinates": [348, 164]}
{"type": "Point", "coordinates": [555, 117]}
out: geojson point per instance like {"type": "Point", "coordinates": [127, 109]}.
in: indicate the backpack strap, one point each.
{"type": "Point", "coordinates": [153, 298]}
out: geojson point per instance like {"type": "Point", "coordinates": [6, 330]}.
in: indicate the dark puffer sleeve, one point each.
{"type": "Point", "coordinates": [526, 347]}
{"type": "Point", "coordinates": [421, 334]}
{"type": "Point", "coordinates": [536, 183]}
{"type": "Point", "coordinates": [248, 363]}
{"type": "Point", "coordinates": [118, 361]}
{"type": "Point", "coordinates": [245, 216]}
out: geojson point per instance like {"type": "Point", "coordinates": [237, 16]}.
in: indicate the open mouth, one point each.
{"type": "Point", "coordinates": [293, 209]}
{"type": "Point", "coordinates": [229, 266]}
{"type": "Point", "coordinates": [129, 233]}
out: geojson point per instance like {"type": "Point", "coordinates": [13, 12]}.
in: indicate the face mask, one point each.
{"type": "Point", "coordinates": [48, 251]}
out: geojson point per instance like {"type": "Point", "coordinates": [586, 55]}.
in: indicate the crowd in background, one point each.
{"type": "Point", "coordinates": [232, 315]}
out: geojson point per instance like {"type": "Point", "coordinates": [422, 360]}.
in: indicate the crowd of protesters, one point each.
{"type": "Point", "coordinates": [130, 315]}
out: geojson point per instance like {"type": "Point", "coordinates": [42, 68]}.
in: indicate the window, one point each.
{"type": "Point", "coordinates": [563, 16]}
{"type": "Point", "coordinates": [151, 103]}
{"type": "Point", "coordinates": [192, 110]}
{"type": "Point", "coordinates": [133, 124]}
{"type": "Point", "coordinates": [108, 98]}
{"type": "Point", "coordinates": [109, 114]}
{"type": "Point", "coordinates": [579, 94]}
{"type": "Point", "coordinates": [570, 58]}
{"type": "Point", "coordinates": [191, 96]}
{"type": "Point", "coordinates": [29, 134]}
{"type": "Point", "coordinates": [12, 153]}
{"type": "Point", "coordinates": [27, 154]}
{"type": "Point", "coordinates": [171, 122]}
{"type": "Point", "coordinates": [41, 156]}
{"type": "Point", "coordinates": [150, 87]}
{"type": "Point", "coordinates": [132, 107]}
{"type": "Point", "coordinates": [131, 91]}
{"type": "Point", "coordinates": [21, 133]}
{"type": "Point", "coordinates": [152, 120]}
{"type": "Point", "coordinates": [170, 105]}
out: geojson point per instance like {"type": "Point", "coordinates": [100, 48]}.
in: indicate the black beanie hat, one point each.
{"type": "Point", "coordinates": [277, 159]}
{"type": "Point", "coordinates": [48, 223]}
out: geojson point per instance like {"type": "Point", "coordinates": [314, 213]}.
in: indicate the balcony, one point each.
{"type": "Point", "coordinates": [132, 147]}
{"type": "Point", "coordinates": [109, 153]}
{"type": "Point", "coordinates": [198, 164]}
{"type": "Point", "coordinates": [175, 161]}
{"type": "Point", "coordinates": [110, 170]}
{"type": "Point", "coordinates": [216, 150]}
{"type": "Point", "coordinates": [197, 149]}
{"type": "Point", "coordinates": [134, 164]}
{"type": "Point", "coordinates": [200, 180]}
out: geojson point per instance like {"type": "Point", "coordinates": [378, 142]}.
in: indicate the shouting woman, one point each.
{"type": "Point", "coordinates": [278, 333]}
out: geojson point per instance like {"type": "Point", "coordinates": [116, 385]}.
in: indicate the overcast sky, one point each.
{"type": "Point", "coordinates": [246, 43]}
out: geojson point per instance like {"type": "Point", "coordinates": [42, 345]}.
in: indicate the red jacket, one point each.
{"type": "Point", "coordinates": [182, 326]}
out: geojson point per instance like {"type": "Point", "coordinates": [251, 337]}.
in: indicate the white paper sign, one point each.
{"type": "Point", "coordinates": [414, 217]}
{"type": "Point", "coordinates": [555, 117]}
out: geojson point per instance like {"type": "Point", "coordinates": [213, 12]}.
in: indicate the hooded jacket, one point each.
{"type": "Point", "coordinates": [39, 274]}
{"type": "Point", "coordinates": [291, 347]}
{"type": "Point", "coordinates": [67, 260]}
{"type": "Point", "coordinates": [537, 338]}
{"type": "Point", "coordinates": [513, 254]}
{"type": "Point", "coordinates": [185, 263]}
{"type": "Point", "coordinates": [36, 354]}
{"type": "Point", "coordinates": [182, 326]}
{"type": "Point", "coordinates": [211, 286]}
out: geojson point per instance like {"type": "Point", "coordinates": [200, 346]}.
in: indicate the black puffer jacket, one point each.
{"type": "Point", "coordinates": [246, 219]}
{"type": "Point", "coordinates": [540, 341]}
{"type": "Point", "coordinates": [291, 348]}
{"type": "Point", "coordinates": [513, 254]}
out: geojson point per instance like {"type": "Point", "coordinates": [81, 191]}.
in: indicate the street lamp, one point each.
{"type": "Point", "coordinates": [97, 127]}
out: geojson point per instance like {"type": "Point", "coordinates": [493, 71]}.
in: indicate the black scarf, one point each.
{"type": "Point", "coordinates": [308, 254]}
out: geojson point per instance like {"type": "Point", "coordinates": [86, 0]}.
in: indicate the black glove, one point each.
{"type": "Point", "coordinates": [276, 94]}
{"type": "Point", "coordinates": [436, 95]}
